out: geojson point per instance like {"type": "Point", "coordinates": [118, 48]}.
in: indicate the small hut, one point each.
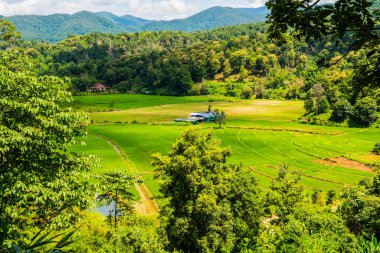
{"type": "Point", "coordinates": [99, 88]}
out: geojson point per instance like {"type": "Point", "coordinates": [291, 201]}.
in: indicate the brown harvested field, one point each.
{"type": "Point", "coordinates": [345, 163]}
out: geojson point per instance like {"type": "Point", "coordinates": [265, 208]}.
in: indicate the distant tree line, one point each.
{"type": "Point", "coordinates": [240, 61]}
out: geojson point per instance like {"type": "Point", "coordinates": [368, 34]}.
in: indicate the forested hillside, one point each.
{"type": "Point", "coordinates": [55, 28]}
{"type": "Point", "coordinates": [147, 61]}
{"type": "Point", "coordinates": [130, 23]}
{"type": "Point", "coordinates": [210, 18]}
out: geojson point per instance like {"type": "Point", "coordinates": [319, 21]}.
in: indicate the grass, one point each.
{"type": "Point", "coordinates": [107, 158]}
{"type": "Point", "coordinates": [262, 134]}
{"type": "Point", "coordinates": [266, 112]}
{"type": "Point", "coordinates": [261, 150]}
{"type": "Point", "coordinates": [140, 141]}
{"type": "Point", "coordinates": [106, 103]}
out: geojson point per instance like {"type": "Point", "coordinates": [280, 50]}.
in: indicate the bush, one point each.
{"type": "Point", "coordinates": [376, 149]}
{"type": "Point", "coordinates": [324, 105]}
{"type": "Point", "coordinates": [309, 105]}
{"type": "Point", "coordinates": [247, 92]}
{"type": "Point", "coordinates": [321, 119]}
{"type": "Point", "coordinates": [365, 111]}
{"type": "Point", "coordinates": [341, 110]}
{"type": "Point", "coordinates": [377, 98]}
{"type": "Point", "coordinates": [331, 196]}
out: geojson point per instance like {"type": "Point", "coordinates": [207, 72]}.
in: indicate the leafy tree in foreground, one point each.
{"type": "Point", "coordinates": [41, 183]}
{"type": "Point", "coordinates": [137, 234]}
{"type": "Point", "coordinates": [309, 20]}
{"type": "Point", "coordinates": [117, 187]}
{"type": "Point", "coordinates": [246, 209]}
{"type": "Point", "coordinates": [286, 193]}
{"type": "Point", "coordinates": [361, 208]}
{"type": "Point", "coordinates": [309, 229]}
{"type": "Point", "coordinates": [354, 19]}
{"type": "Point", "coordinates": [195, 179]}
{"type": "Point", "coordinates": [293, 225]}
{"type": "Point", "coordinates": [212, 208]}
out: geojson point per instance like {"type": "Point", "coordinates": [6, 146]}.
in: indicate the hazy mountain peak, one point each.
{"type": "Point", "coordinates": [53, 28]}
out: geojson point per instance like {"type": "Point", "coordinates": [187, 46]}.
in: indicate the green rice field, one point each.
{"type": "Point", "coordinates": [128, 101]}
{"type": "Point", "coordinates": [263, 134]}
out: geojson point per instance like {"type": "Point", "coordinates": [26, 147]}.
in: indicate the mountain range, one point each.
{"type": "Point", "coordinates": [56, 27]}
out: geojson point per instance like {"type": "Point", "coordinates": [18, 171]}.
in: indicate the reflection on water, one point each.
{"type": "Point", "coordinates": [107, 210]}
{"type": "Point", "coordinates": [106, 206]}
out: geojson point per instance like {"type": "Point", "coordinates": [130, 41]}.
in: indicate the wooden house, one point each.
{"type": "Point", "coordinates": [99, 88]}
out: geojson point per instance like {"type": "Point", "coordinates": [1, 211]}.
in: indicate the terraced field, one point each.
{"type": "Point", "coordinates": [262, 135]}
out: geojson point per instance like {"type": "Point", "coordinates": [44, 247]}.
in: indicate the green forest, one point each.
{"type": "Point", "coordinates": [291, 162]}
{"type": "Point", "coordinates": [240, 61]}
{"type": "Point", "coordinates": [56, 27]}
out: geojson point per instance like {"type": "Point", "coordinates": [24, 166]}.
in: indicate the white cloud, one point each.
{"type": "Point", "coordinates": [257, 3]}
{"type": "Point", "coordinates": [262, 2]}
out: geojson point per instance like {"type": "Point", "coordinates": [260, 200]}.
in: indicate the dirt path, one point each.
{"type": "Point", "coordinates": [345, 163]}
{"type": "Point", "coordinates": [147, 204]}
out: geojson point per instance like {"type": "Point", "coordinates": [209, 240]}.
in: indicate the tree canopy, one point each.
{"type": "Point", "coordinates": [212, 206]}
{"type": "Point", "coordinates": [42, 184]}
{"type": "Point", "coordinates": [306, 19]}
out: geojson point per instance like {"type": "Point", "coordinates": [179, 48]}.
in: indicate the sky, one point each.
{"type": "Point", "coordinates": [149, 9]}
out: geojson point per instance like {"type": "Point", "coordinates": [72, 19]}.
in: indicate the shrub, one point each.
{"type": "Point", "coordinates": [309, 105]}
{"type": "Point", "coordinates": [377, 98]}
{"type": "Point", "coordinates": [331, 196]}
{"type": "Point", "coordinates": [247, 92]}
{"type": "Point", "coordinates": [321, 119]}
{"type": "Point", "coordinates": [323, 105]}
{"type": "Point", "coordinates": [376, 149]}
{"type": "Point", "coordinates": [341, 110]}
{"type": "Point", "coordinates": [365, 111]}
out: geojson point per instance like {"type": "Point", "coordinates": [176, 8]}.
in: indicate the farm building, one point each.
{"type": "Point", "coordinates": [99, 88]}
{"type": "Point", "coordinates": [205, 116]}
{"type": "Point", "coordinates": [192, 120]}
{"type": "Point", "coordinates": [198, 117]}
